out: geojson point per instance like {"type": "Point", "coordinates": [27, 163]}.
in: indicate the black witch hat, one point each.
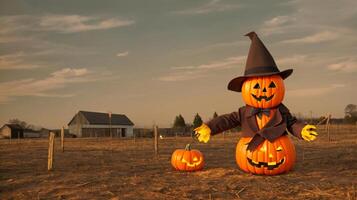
{"type": "Point", "coordinates": [259, 63]}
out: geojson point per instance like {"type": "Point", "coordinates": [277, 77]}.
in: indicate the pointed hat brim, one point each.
{"type": "Point", "coordinates": [236, 83]}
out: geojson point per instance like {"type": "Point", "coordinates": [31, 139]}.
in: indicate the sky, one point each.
{"type": "Point", "coordinates": [153, 60]}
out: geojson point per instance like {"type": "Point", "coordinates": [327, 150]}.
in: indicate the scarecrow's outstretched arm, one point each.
{"type": "Point", "coordinates": [300, 129]}
{"type": "Point", "coordinates": [217, 125]}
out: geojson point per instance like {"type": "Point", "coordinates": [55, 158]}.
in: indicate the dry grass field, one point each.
{"type": "Point", "coordinates": [121, 169]}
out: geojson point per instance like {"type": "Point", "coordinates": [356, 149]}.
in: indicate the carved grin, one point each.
{"type": "Point", "coordinates": [269, 165]}
{"type": "Point", "coordinates": [263, 97]}
{"type": "Point", "coordinates": [194, 164]}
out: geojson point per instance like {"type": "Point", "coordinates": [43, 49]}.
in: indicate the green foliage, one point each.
{"type": "Point", "coordinates": [197, 121]}
{"type": "Point", "coordinates": [179, 122]}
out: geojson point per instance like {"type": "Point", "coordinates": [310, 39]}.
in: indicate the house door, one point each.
{"type": "Point", "coordinates": [123, 132]}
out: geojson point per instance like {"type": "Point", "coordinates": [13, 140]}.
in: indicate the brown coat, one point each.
{"type": "Point", "coordinates": [276, 126]}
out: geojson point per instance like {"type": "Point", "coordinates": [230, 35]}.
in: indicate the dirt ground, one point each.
{"type": "Point", "coordinates": [121, 169]}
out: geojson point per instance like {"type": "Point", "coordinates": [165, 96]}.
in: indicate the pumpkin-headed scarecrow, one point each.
{"type": "Point", "coordinates": [264, 147]}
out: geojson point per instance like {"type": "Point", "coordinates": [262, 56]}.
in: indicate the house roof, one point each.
{"type": "Point", "coordinates": [103, 118]}
{"type": "Point", "coordinates": [14, 126]}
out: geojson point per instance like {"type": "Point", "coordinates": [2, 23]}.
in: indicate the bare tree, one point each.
{"type": "Point", "coordinates": [350, 110]}
{"type": "Point", "coordinates": [23, 124]}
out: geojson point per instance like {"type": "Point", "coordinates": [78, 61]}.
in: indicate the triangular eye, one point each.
{"type": "Point", "coordinates": [272, 85]}
{"type": "Point", "coordinates": [256, 86]}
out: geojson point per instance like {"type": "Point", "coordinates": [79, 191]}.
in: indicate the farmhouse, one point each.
{"type": "Point", "coordinates": [11, 131]}
{"type": "Point", "coordinates": [95, 124]}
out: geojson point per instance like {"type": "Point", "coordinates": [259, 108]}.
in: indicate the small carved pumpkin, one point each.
{"type": "Point", "coordinates": [270, 158]}
{"type": "Point", "coordinates": [263, 91]}
{"type": "Point", "coordinates": [187, 159]}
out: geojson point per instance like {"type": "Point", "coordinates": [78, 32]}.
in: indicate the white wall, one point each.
{"type": "Point", "coordinates": [129, 129]}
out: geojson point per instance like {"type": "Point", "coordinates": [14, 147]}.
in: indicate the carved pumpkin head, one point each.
{"type": "Point", "coordinates": [270, 158]}
{"type": "Point", "coordinates": [187, 159]}
{"type": "Point", "coordinates": [263, 91]}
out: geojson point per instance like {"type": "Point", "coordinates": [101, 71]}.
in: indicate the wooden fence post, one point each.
{"type": "Point", "coordinates": [328, 127]}
{"type": "Point", "coordinates": [156, 140]}
{"type": "Point", "coordinates": [62, 138]}
{"type": "Point", "coordinates": [134, 136]}
{"type": "Point", "coordinates": [18, 136]}
{"type": "Point", "coordinates": [51, 144]}
{"type": "Point", "coordinates": [175, 135]}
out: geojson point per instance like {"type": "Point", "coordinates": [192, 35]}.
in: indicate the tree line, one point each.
{"type": "Point", "coordinates": [350, 118]}
{"type": "Point", "coordinates": [180, 122]}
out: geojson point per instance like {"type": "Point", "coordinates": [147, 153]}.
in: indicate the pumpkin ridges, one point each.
{"type": "Point", "coordinates": [271, 91]}
{"type": "Point", "coordinates": [291, 148]}
{"type": "Point", "coordinates": [287, 158]}
{"type": "Point", "coordinates": [250, 167]}
{"type": "Point", "coordinates": [186, 156]}
{"type": "Point", "coordinates": [241, 160]}
{"type": "Point", "coordinates": [261, 156]}
{"type": "Point", "coordinates": [277, 156]}
{"type": "Point", "coordinates": [173, 159]}
{"type": "Point", "coordinates": [267, 154]}
{"type": "Point", "coordinates": [257, 170]}
{"type": "Point", "coordinates": [178, 158]}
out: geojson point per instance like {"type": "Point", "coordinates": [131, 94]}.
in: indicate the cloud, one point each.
{"type": "Point", "coordinates": [212, 6]}
{"type": "Point", "coordinates": [278, 24]}
{"type": "Point", "coordinates": [306, 17]}
{"type": "Point", "coordinates": [15, 24]}
{"type": "Point", "coordinates": [278, 21]}
{"type": "Point", "coordinates": [348, 65]}
{"type": "Point", "coordinates": [123, 54]}
{"type": "Point", "coordinates": [290, 60]}
{"type": "Point", "coordinates": [224, 44]}
{"type": "Point", "coordinates": [182, 76]}
{"type": "Point", "coordinates": [315, 38]}
{"type": "Point", "coordinates": [318, 91]}
{"type": "Point", "coordinates": [78, 23]}
{"type": "Point", "coordinates": [198, 71]}
{"type": "Point", "coordinates": [16, 61]}
{"type": "Point", "coordinates": [14, 38]}
{"type": "Point", "coordinates": [45, 87]}
{"type": "Point", "coordinates": [225, 63]}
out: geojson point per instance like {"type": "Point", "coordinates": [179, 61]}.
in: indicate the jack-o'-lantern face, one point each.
{"type": "Point", "coordinates": [196, 161]}
{"type": "Point", "coordinates": [273, 162]}
{"type": "Point", "coordinates": [263, 91]}
{"type": "Point", "coordinates": [269, 158]}
{"type": "Point", "coordinates": [187, 159]}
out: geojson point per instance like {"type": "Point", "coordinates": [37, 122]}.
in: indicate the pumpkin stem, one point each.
{"type": "Point", "coordinates": [188, 147]}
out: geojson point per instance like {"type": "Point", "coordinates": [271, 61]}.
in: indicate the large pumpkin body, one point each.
{"type": "Point", "coordinates": [263, 91]}
{"type": "Point", "coordinates": [270, 158]}
{"type": "Point", "coordinates": [187, 159]}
